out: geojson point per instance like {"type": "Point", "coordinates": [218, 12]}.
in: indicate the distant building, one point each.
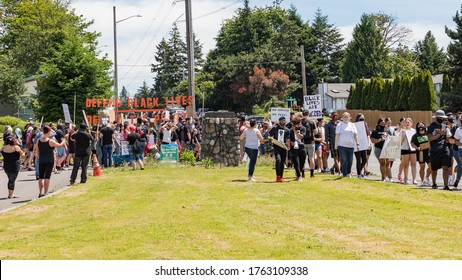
{"type": "Point", "coordinates": [24, 110]}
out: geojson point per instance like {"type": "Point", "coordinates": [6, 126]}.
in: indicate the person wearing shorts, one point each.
{"type": "Point", "coordinates": [422, 146]}
{"type": "Point", "coordinates": [46, 160]}
{"type": "Point", "coordinates": [440, 156]}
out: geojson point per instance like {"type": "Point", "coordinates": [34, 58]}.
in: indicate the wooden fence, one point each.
{"type": "Point", "coordinates": [372, 116]}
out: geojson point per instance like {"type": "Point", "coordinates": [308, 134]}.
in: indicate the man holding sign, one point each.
{"type": "Point", "coordinates": [281, 143]}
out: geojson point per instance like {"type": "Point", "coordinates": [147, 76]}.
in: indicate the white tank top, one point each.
{"type": "Point", "coordinates": [251, 138]}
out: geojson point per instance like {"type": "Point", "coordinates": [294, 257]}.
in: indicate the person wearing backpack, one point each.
{"type": "Point", "coordinates": [134, 147]}
{"type": "Point", "coordinates": [308, 140]}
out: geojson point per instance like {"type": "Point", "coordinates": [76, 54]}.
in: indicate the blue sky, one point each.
{"type": "Point", "coordinates": [138, 37]}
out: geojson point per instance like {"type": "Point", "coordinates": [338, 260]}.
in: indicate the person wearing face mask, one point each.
{"type": "Point", "coordinates": [457, 153]}
{"type": "Point", "coordinates": [346, 140]}
{"type": "Point", "coordinates": [440, 156]}
{"type": "Point", "coordinates": [281, 134]}
{"type": "Point", "coordinates": [378, 137]}
{"type": "Point", "coordinates": [421, 144]}
{"type": "Point", "coordinates": [452, 149]}
{"type": "Point", "coordinates": [330, 142]}
{"type": "Point", "coordinates": [408, 154]}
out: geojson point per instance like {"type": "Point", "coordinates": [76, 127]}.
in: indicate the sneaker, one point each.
{"type": "Point", "coordinates": [327, 170]}
{"type": "Point", "coordinates": [299, 179]}
{"type": "Point", "coordinates": [414, 182]}
{"type": "Point", "coordinates": [318, 170]}
{"type": "Point", "coordinates": [423, 184]}
{"type": "Point", "coordinates": [434, 186]}
{"type": "Point", "coordinates": [72, 182]}
{"type": "Point", "coordinates": [251, 178]}
{"type": "Point", "coordinates": [400, 178]}
{"type": "Point", "coordinates": [456, 183]}
{"type": "Point", "coordinates": [446, 188]}
{"type": "Point", "coordinates": [332, 171]}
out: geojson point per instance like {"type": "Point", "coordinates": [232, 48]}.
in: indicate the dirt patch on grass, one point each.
{"type": "Point", "coordinates": [32, 209]}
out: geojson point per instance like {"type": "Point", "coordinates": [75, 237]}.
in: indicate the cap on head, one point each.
{"type": "Point", "coordinates": [282, 118]}
{"type": "Point", "coordinates": [83, 126]}
{"type": "Point", "coordinates": [132, 128]}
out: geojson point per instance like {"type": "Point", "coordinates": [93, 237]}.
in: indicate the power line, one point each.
{"type": "Point", "coordinates": [216, 11]}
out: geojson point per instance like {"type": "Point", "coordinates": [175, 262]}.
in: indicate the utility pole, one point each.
{"type": "Point", "coordinates": [302, 58]}
{"type": "Point", "coordinates": [116, 77]}
{"type": "Point", "coordinates": [190, 45]}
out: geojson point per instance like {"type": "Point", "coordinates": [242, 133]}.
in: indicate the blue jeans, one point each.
{"type": "Point", "coordinates": [252, 154]}
{"type": "Point", "coordinates": [346, 156]}
{"type": "Point", "coordinates": [107, 155]}
{"type": "Point", "coordinates": [457, 154]}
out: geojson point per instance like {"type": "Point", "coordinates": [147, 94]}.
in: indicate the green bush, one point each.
{"type": "Point", "coordinates": [207, 162]}
{"type": "Point", "coordinates": [188, 157]}
{"type": "Point", "coordinates": [13, 121]}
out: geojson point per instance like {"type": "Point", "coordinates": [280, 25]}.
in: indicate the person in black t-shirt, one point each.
{"type": "Point", "coordinates": [280, 133]}
{"type": "Point", "coordinates": [107, 135]}
{"type": "Point", "coordinates": [297, 147]}
{"type": "Point", "coordinates": [420, 142]}
{"type": "Point", "coordinates": [311, 130]}
{"type": "Point", "coordinates": [83, 141]}
{"type": "Point", "coordinates": [378, 137]}
{"type": "Point", "coordinates": [136, 156]}
{"type": "Point", "coordinates": [440, 156]}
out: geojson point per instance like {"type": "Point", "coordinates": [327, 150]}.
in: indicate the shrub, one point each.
{"type": "Point", "coordinates": [207, 162]}
{"type": "Point", "coordinates": [187, 156]}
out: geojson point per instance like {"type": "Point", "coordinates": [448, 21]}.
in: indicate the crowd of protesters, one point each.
{"type": "Point", "coordinates": [304, 144]}
{"type": "Point", "coordinates": [50, 148]}
{"type": "Point", "coordinates": [300, 142]}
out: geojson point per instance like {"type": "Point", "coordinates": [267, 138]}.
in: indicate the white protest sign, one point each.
{"type": "Point", "coordinates": [391, 148]}
{"type": "Point", "coordinates": [124, 146]}
{"type": "Point", "coordinates": [313, 103]}
{"type": "Point", "coordinates": [363, 139]}
{"type": "Point", "coordinates": [276, 113]}
{"type": "Point", "coordinates": [151, 140]}
{"type": "Point", "coordinates": [67, 114]}
{"type": "Point", "coordinates": [409, 134]}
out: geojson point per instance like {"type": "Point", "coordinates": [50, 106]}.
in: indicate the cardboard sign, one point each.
{"type": "Point", "coordinates": [363, 139]}
{"type": "Point", "coordinates": [124, 146]}
{"type": "Point", "coordinates": [409, 134]}
{"type": "Point", "coordinates": [276, 113]}
{"type": "Point", "coordinates": [67, 115]}
{"type": "Point", "coordinates": [313, 103]}
{"type": "Point", "coordinates": [169, 153]}
{"type": "Point", "coordinates": [391, 148]}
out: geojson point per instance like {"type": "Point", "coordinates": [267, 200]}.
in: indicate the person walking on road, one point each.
{"type": "Point", "coordinates": [440, 156]}
{"type": "Point", "coordinates": [11, 153]}
{"type": "Point", "coordinates": [346, 141]}
{"type": "Point", "coordinates": [45, 154]}
{"type": "Point", "coordinates": [83, 141]}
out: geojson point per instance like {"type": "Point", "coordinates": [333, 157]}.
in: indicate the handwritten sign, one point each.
{"type": "Point", "coordinates": [391, 148]}
{"type": "Point", "coordinates": [124, 146]}
{"type": "Point", "coordinates": [276, 113]}
{"type": "Point", "coordinates": [313, 103]}
{"type": "Point", "coordinates": [363, 139]}
{"type": "Point", "coordinates": [409, 134]}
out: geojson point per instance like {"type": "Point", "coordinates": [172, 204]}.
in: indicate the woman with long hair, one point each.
{"type": "Point", "coordinates": [378, 137]}
{"type": "Point", "coordinates": [408, 153]}
{"type": "Point", "coordinates": [346, 141]}
{"type": "Point", "coordinates": [252, 137]}
{"type": "Point", "coordinates": [11, 153]}
{"type": "Point", "coordinates": [422, 146]}
{"type": "Point", "coordinates": [45, 153]}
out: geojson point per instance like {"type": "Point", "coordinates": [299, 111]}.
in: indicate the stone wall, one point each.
{"type": "Point", "coordinates": [221, 138]}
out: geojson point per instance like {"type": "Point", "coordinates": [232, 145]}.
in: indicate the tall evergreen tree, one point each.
{"type": "Point", "coordinates": [124, 95]}
{"type": "Point", "coordinates": [392, 104]}
{"type": "Point", "coordinates": [430, 56]}
{"type": "Point", "coordinates": [144, 91]}
{"type": "Point", "coordinates": [351, 97]}
{"type": "Point", "coordinates": [453, 99]}
{"type": "Point", "coordinates": [386, 96]}
{"type": "Point", "coordinates": [329, 48]}
{"type": "Point", "coordinates": [366, 54]}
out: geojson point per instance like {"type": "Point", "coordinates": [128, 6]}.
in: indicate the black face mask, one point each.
{"type": "Point", "coordinates": [361, 119]}
{"type": "Point", "coordinates": [421, 129]}
{"type": "Point", "coordinates": [439, 120]}
{"type": "Point", "coordinates": [381, 126]}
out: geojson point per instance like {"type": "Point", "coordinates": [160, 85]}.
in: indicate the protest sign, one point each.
{"type": "Point", "coordinates": [409, 134]}
{"type": "Point", "coordinates": [276, 113]}
{"type": "Point", "coordinates": [169, 153]}
{"type": "Point", "coordinates": [67, 114]}
{"type": "Point", "coordinates": [124, 147]}
{"type": "Point", "coordinates": [313, 103]}
{"type": "Point", "coordinates": [363, 139]}
{"type": "Point", "coordinates": [391, 148]}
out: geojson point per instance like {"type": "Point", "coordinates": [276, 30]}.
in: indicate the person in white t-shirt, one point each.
{"type": "Point", "coordinates": [346, 141]}
{"type": "Point", "coordinates": [408, 153]}
{"type": "Point", "coordinates": [252, 137]}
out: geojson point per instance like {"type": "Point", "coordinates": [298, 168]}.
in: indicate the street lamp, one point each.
{"type": "Point", "coordinates": [116, 81]}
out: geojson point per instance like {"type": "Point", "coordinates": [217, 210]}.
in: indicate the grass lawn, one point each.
{"type": "Point", "coordinates": [170, 212]}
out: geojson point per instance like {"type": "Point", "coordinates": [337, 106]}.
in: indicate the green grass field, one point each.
{"type": "Point", "coordinates": [187, 213]}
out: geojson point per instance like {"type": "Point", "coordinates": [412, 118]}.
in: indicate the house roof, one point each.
{"type": "Point", "coordinates": [437, 79]}
{"type": "Point", "coordinates": [339, 90]}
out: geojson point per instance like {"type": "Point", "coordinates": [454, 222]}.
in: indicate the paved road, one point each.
{"type": "Point", "coordinates": [27, 187]}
